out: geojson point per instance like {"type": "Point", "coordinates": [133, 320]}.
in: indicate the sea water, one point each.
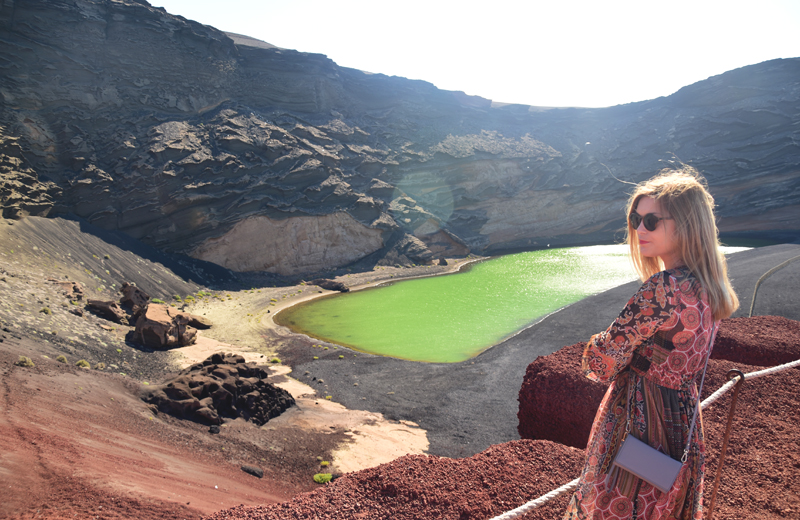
{"type": "Point", "coordinates": [450, 318]}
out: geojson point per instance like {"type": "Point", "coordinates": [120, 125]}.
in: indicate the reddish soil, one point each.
{"type": "Point", "coordinates": [80, 444]}
{"type": "Point", "coordinates": [760, 478]}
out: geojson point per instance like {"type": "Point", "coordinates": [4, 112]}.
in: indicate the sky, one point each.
{"type": "Point", "coordinates": [557, 53]}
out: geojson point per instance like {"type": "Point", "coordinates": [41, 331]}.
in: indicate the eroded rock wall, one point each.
{"type": "Point", "coordinates": [171, 131]}
{"type": "Point", "coordinates": [291, 246]}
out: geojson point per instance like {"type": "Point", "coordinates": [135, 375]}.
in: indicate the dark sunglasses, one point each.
{"type": "Point", "coordinates": [650, 220]}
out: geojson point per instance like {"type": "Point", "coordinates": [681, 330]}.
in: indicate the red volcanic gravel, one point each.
{"type": "Point", "coordinates": [500, 478]}
{"type": "Point", "coordinates": [760, 477]}
{"type": "Point", "coordinates": [761, 340]}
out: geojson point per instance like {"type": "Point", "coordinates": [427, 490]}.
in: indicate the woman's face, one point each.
{"type": "Point", "coordinates": [662, 242]}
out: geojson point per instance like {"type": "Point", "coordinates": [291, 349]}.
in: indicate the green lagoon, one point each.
{"type": "Point", "coordinates": [450, 318]}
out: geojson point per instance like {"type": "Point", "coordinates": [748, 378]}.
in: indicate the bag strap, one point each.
{"type": "Point", "coordinates": [696, 408]}
{"type": "Point", "coordinates": [699, 393]}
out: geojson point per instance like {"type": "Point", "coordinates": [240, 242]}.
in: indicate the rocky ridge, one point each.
{"type": "Point", "coordinates": [198, 142]}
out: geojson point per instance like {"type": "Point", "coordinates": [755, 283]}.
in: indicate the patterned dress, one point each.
{"type": "Point", "coordinates": [658, 344]}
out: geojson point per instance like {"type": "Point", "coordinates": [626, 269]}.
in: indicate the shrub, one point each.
{"type": "Point", "coordinates": [341, 357]}
{"type": "Point", "coordinates": [323, 478]}
{"type": "Point", "coordinates": [83, 364]}
{"type": "Point", "coordinates": [324, 463]}
{"type": "Point", "coordinates": [156, 300]}
{"type": "Point", "coordinates": [275, 360]}
{"type": "Point", "coordinates": [61, 359]}
{"type": "Point", "coordinates": [100, 366]}
{"type": "Point", "coordinates": [25, 361]}
{"type": "Point", "coordinates": [45, 310]}
{"type": "Point", "coordinates": [176, 297]}
{"type": "Point", "coordinates": [316, 357]}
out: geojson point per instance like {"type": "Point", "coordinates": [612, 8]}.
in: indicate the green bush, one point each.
{"type": "Point", "coordinates": [61, 359]}
{"type": "Point", "coordinates": [25, 361]}
{"type": "Point", "coordinates": [83, 364]}
{"type": "Point", "coordinates": [324, 463]}
{"type": "Point", "coordinates": [322, 478]}
{"type": "Point", "coordinates": [156, 300]}
{"type": "Point", "coordinates": [176, 297]}
{"type": "Point", "coordinates": [275, 360]}
{"type": "Point", "coordinates": [45, 310]}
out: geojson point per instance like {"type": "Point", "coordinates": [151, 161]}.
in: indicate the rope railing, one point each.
{"type": "Point", "coordinates": [708, 401]}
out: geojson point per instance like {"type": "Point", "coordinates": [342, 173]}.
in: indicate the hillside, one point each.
{"type": "Point", "coordinates": [266, 159]}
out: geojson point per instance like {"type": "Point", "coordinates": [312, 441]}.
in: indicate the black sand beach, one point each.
{"type": "Point", "coordinates": [466, 407]}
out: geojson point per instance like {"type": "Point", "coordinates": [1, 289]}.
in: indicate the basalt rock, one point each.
{"type": "Point", "coordinates": [266, 159]}
{"type": "Point", "coordinates": [162, 327]}
{"type": "Point", "coordinates": [133, 298]}
{"type": "Point", "coordinates": [222, 386]}
{"type": "Point", "coordinates": [108, 310]}
{"type": "Point", "coordinates": [330, 285]}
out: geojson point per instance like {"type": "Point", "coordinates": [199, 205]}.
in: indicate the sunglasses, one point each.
{"type": "Point", "coordinates": [650, 220]}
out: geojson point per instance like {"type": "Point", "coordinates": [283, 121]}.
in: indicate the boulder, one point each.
{"type": "Point", "coordinates": [330, 285]}
{"type": "Point", "coordinates": [108, 310]}
{"type": "Point", "coordinates": [221, 386]}
{"type": "Point", "coordinates": [72, 290]}
{"type": "Point", "coordinates": [198, 322]}
{"type": "Point", "coordinates": [161, 327]}
{"type": "Point", "coordinates": [133, 298]}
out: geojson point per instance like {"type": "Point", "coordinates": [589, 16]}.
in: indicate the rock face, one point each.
{"type": "Point", "coordinates": [161, 327]}
{"type": "Point", "coordinates": [262, 158]}
{"type": "Point", "coordinates": [221, 386]}
{"type": "Point", "coordinates": [291, 246]}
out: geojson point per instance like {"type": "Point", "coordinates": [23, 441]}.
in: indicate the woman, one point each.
{"type": "Point", "coordinates": [658, 344]}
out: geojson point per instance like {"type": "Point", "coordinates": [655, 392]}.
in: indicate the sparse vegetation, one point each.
{"type": "Point", "coordinates": [275, 360]}
{"type": "Point", "coordinates": [45, 310]}
{"type": "Point", "coordinates": [100, 366]}
{"type": "Point", "coordinates": [324, 463]}
{"type": "Point", "coordinates": [61, 359]}
{"type": "Point", "coordinates": [83, 363]}
{"type": "Point", "coordinates": [156, 300]}
{"type": "Point", "coordinates": [25, 361]}
{"type": "Point", "coordinates": [323, 478]}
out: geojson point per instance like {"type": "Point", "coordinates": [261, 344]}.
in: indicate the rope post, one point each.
{"type": "Point", "coordinates": [733, 374]}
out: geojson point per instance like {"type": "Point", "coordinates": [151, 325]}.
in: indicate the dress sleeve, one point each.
{"type": "Point", "coordinates": [611, 351]}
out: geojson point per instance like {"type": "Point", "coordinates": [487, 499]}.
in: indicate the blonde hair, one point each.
{"type": "Point", "coordinates": [683, 195]}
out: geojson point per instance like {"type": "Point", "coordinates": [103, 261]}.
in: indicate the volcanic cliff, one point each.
{"type": "Point", "coordinates": [258, 158]}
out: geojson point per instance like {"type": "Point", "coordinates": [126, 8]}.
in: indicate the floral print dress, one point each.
{"type": "Point", "coordinates": [658, 344]}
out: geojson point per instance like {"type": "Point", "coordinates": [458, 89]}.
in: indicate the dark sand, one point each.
{"type": "Point", "coordinates": [467, 407]}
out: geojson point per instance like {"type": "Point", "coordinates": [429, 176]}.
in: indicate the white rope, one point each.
{"type": "Point", "coordinates": [533, 504]}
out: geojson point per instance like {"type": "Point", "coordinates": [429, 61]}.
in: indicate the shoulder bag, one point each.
{"type": "Point", "coordinates": [646, 462]}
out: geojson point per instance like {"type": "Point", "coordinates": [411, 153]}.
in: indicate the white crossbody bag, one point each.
{"type": "Point", "coordinates": [647, 463]}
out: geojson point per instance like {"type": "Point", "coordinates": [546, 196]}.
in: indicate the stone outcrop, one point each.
{"type": "Point", "coordinates": [291, 246]}
{"type": "Point", "coordinates": [251, 156]}
{"type": "Point", "coordinates": [162, 327]}
{"type": "Point", "coordinates": [222, 386]}
{"type": "Point", "coordinates": [330, 285]}
{"type": "Point", "coordinates": [133, 298]}
{"type": "Point", "coordinates": [109, 310]}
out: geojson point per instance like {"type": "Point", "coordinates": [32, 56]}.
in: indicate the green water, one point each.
{"type": "Point", "coordinates": [446, 319]}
